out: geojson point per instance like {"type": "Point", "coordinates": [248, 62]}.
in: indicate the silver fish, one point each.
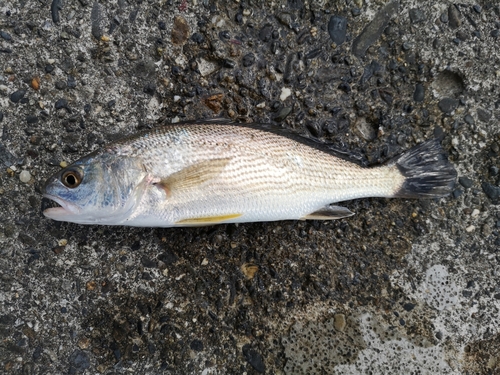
{"type": "Point", "coordinates": [211, 173]}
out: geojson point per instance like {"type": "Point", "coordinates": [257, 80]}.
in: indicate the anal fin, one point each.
{"type": "Point", "coordinates": [329, 213]}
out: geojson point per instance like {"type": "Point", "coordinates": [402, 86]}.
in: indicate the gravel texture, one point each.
{"type": "Point", "coordinates": [401, 287]}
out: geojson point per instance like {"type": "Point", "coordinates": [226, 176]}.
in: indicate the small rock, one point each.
{"type": "Point", "coordinates": [337, 28]}
{"type": "Point", "coordinates": [409, 306]}
{"type": "Point", "coordinates": [197, 38]}
{"type": "Point", "coordinates": [469, 119]}
{"type": "Point", "coordinates": [71, 82]}
{"type": "Point", "coordinates": [492, 191]}
{"type": "Point", "coordinates": [248, 60]}
{"type": "Point", "coordinates": [419, 93]}
{"type": "Point", "coordinates": [25, 176]}
{"type": "Point", "coordinates": [206, 67]}
{"type": "Point", "coordinates": [266, 32]}
{"type": "Point", "coordinates": [254, 358]}
{"type": "Point", "coordinates": [49, 68]}
{"type": "Point", "coordinates": [60, 85]}
{"type": "Point", "coordinates": [16, 96]}
{"type": "Point", "coordinates": [470, 228]}
{"type": "Point", "coordinates": [180, 30]}
{"type": "Point", "coordinates": [61, 103]}
{"type": "Point", "coordinates": [416, 15]}
{"type": "Point", "coordinates": [448, 105]}
{"type": "Point", "coordinates": [493, 170]}
{"type": "Point", "coordinates": [285, 93]}
{"type": "Point", "coordinates": [5, 35]}
{"type": "Point", "coordinates": [339, 322]}
{"type": "Point", "coordinates": [196, 345]}
{"type": "Point", "coordinates": [454, 16]}
{"type": "Point", "coordinates": [483, 115]}
{"type": "Point", "coordinates": [372, 32]}
{"type": "Point", "coordinates": [282, 114]}
{"type": "Point", "coordinates": [465, 182]}
{"type": "Point", "coordinates": [79, 360]}
{"type": "Point", "coordinates": [31, 119]}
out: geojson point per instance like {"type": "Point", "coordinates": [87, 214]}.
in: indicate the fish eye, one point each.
{"type": "Point", "coordinates": [71, 178]}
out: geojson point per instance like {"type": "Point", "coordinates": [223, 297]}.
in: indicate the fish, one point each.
{"type": "Point", "coordinates": [206, 173]}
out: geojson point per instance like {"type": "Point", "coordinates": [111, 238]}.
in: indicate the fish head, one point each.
{"type": "Point", "coordinates": [97, 189]}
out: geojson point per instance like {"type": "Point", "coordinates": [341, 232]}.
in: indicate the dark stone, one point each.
{"type": "Point", "coordinates": [16, 96]}
{"type": "Point", "coordinates": [5, 35]}
{"type": "Point", "coordinates": [168, 257]}
{"type": "Point", "coordinates": [150, 88]}
{"type": "Point", "coordinates": [176, 70]}
{"type": "Point", "coordinates": [49, 68]}
{"type": "Point", "coordinates": [492, 191]}
{"type": "Point", "coordinates": [493, 170]}
{"type": "Point", "coordinates": [483, 115]}
{"type": "Point", "coordinates": [266, 32]}
{"type": "Point", "coordinates": [457, 193]}
{"type": "Point", "coordinates": [337, 28]}
{"type": "Point", "coordinates": [6, 157]}
{"type": "Point", "coordinates": [162, 25]}
{"type": "Point", "coordinates": [355, 12]}
{"type": "Point", "coordinates": [98, 20]}
{"type": "Point", "coordinates": [454, 16]}
{"type": "Point", "coordinates": [409, 306]}
{"type": "Point", "coordinates": [248, 60]}
{"type": "Point", "coordinates": [71, 82]}
{"type": "Point", "coordinates": [467, 293]}
{"type": "Point", "coordinates": [60, 85]}
{"type": "Point", "coordinates": [469, 119]}
{"type": "Point", "coordinates": [61, 103]}
{"type": "Point", "coordinates": [254, 358]}
{"type": "Point", "coordinates": [465, 182]}
{"type": "Point", "coordinates": [282, 114]}
{"type": "Point", "coordinates": [37, 353]}
{"type": "Point", "coordinates": [416, 15]}
{"type": "Point", "coordinates": [196, 345]}
{"type": "Point", "coordinates": [374, 29]}
{"type": "Point", "coordinates": [31, 119]}
{"type": "Point", "coordinates": [439, 335]}
{"type": "Point", "coordinates": [477, 8]}
{"type": "Point", "coordinates": [79, 360]}
{"type": "Point", "coordinates": [55, 7]}
{"type": "Point", "coordinates": [448, 105]}
{"type": "Point", "coordinates": [148, 263]}
{"type": "Point", "coordinates": [419, 93]}
{"type": "Point", "coordinates": [197, 38]}
{"type": "Point", "coordinates": [495, 33]}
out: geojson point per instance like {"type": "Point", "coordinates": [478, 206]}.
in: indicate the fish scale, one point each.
{"type": "Point", "coordinates": [208, 173]}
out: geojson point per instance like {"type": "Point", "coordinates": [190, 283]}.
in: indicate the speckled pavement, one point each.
{"type": "Point", "coordinates": [404, 286]}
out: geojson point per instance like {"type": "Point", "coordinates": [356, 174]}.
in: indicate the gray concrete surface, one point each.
{"type": "Point", "coordinates": [401, 287]}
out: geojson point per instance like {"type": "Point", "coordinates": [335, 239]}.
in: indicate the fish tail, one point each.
{"type": "Point", "coordinates": [427, 171]}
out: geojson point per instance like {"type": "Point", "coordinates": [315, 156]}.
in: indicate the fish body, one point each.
{"type": "Point", "coordinates": [209, 173]}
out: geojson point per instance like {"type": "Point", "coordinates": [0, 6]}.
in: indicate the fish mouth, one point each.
{"type": "Point", "coordinates": [64, 209]}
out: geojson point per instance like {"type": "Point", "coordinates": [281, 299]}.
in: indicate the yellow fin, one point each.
{"type": "Point", "coordinates": [194, 175]}
{"type": "Point", "coordinates": [207, 220]}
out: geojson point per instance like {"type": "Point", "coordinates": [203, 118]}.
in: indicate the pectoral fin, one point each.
{"type": "Point", "coordinates": [193, 176]}
{"type": "Point", "coordinates": [329, 213]}
{"type": "Point", "coordinates": [195, 221]}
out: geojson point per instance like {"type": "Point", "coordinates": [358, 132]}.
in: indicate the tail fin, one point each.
{"type": "Point", "coordinates": [427, 170]}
